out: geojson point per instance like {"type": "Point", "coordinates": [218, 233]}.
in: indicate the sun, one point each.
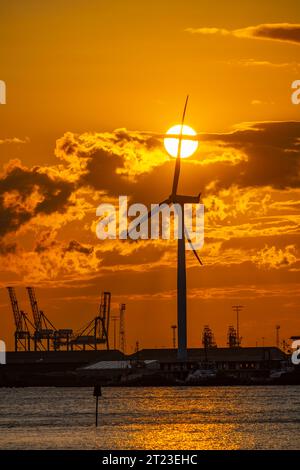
{"type": "Point", "coordinates": [188, 147]}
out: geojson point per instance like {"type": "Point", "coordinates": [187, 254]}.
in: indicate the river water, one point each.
{"type": "Point", "coordinates": [151, 418]}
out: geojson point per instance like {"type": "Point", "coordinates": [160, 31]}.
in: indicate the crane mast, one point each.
{"type": "Point", "coordinates": [96, 331]}
{"type": "Point", "coordinates": [35, 309]}
{"type": "Point", "coordinates": [104, 314]}
{"type": "Point", "coordinates": [15, 308]}
{"type": "Point", "coordinates": [22, 323]}
{"type": "Point", "coordinates": [44, 329]}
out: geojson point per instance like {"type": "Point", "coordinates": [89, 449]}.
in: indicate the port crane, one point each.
{"type": "Point", "coordinates": [45, 331]}
{"type": "Point", "coordinates": [22, 323]}
{"type": "Point", "coordinates": [96, 331]}
{"type": "Point", "coordinates": [43, 328]}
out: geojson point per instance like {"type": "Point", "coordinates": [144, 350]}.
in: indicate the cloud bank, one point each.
{"type": "Point", "coordinates": [284, 32]}
{"type": "Point", "coordinates": [249, 177]}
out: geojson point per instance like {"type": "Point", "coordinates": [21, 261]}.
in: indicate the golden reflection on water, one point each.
{"type": "Point", "coordinates": [196, 418]}
{"type": "Point", "coordinates": [184, 436]}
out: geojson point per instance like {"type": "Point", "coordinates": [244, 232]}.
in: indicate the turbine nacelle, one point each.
{"type": "Point", "coordinates": [181, 199]}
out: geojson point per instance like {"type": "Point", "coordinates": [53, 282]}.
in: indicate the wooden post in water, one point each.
{"type": "Point", "coordinates": [97, 394]}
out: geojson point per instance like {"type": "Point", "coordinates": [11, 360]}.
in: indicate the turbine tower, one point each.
{"type": "Point", "coordinates": [179, 200]}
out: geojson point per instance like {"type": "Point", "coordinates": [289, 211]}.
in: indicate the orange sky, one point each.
{"type": "Point", "coordinates": [90, 89]}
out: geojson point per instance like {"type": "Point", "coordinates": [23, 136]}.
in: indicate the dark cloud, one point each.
{"type": "Point", "coordinates": [271, 153]}
{"type": "Point", "coordinates": [149, 187]}
{"type": "Point", "coordinates": [271, 150]}
{"type": "Point", "coordinates": [148, 140]}
{"type": "Point", "coordinates": [102, 173]}
{"type": "Point", "coordinates": [285, 32]}
{"type": "Point", "coordinates": [146, 255]}
{"type": "Point", "coordinates": [7, 248]}
{"type": "Point", "coordinates": [273, 157]}
{"type": "Point", "coordinates": [45, 241]}
{"type": "Point", "coordinates": [280, 32]}
{"type": "Point", "coordinates": [52, 196]}
{"type": "Point", "coordinates": [79, 248]}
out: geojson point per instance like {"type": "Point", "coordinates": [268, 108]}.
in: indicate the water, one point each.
{"type": "Point", "coordinates": [151, 418]}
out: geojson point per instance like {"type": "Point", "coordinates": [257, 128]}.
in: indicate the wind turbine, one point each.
{"type": "Point", "coordinates": [181, 200]}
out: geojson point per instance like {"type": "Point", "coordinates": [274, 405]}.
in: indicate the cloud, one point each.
{"type": "Point", "coordinates": [273, 156]}
{"type": "Point", "coordinates": [262, 63]}
{"type": "Point", "coordinates": [75, 246]}
{"type": "Point", "coordinates": [14, 140]}
{"type": "Point", "coordinates": [7, 248]}
{"type": "Point", "coordinates": [272, 257]}
{"type": "Point", "coordinates": [257, 102]}
{"type": "Point", "coordinates": [284, 32]}
{"type": "Point", "coordinates": [209, 31]}
{"type": "Point", "coordinates": [129, 153]}
{"type": "Point", "coordinates": [253, 154]}
{"type": "Point", "coordinates": [49, 211]}
{"type": "Point", "coordinates": [26, 193]}
{"type": "Point", "coordinates": [276, 31]}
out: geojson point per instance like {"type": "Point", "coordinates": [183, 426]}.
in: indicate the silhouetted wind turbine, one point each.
{"type": "Point", "coordinates": [175, 198]}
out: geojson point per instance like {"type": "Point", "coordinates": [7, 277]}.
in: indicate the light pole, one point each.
{"type": "Point", "coordinates": [114, 319]}
{"type": "Point", "coordinates": [277, 335]}
{"type": "Point", "coordinates": [238, 309]}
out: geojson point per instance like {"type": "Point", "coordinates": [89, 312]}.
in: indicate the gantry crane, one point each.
{"type": "Point", "coordinates": [44, 329]}
{"type": "Point", "coordinates": [22, 323]}
{"type": "Point", "coordinates": [96, 331]}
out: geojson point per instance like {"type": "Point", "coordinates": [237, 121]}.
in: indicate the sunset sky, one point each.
{"type": "Point", "coordinates": [91, 89]}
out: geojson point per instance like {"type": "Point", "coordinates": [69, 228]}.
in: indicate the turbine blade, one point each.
{"type": "Point", "coordinates": [192, 246]}
{"type": "Point", "coordinates": [176, 176]}
{"type": "Point", "coordinates": [184, 109]}
{"type": "Point", "coordinates": [148, 216]}
{"type": "Point", "coordinates": [177, 164]}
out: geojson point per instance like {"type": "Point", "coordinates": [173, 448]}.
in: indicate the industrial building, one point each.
{"type": "Point", "coordinates": [239, 362]}
{"type": "Point", "coordinates": [84, 368]}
